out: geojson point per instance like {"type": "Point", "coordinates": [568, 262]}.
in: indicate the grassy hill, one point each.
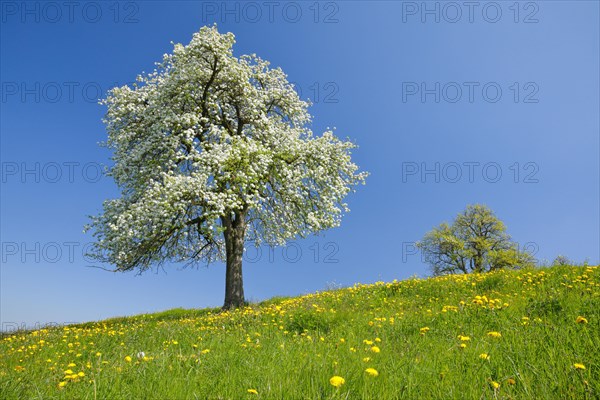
{"type": "Point", "coordinates": [529, 334]}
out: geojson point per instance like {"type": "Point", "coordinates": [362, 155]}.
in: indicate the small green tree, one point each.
{"type": "Point", "coordinates": [475, 242]}
{"type": "Point", "coordinates": [562, 260]}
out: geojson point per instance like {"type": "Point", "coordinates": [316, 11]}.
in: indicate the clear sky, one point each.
{"type": "Point", "coordinates": [450, 104]}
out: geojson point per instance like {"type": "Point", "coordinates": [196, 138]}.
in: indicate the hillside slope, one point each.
{"type": "Point", "coordinates": [509, 334]}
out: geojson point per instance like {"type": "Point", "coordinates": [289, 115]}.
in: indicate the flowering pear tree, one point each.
{"type": "Point", "coordinates": [211, 151]}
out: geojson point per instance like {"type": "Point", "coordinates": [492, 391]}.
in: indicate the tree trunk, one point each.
{"type": "Point", "coordinates": [235, 230]}
{"type": "Point", "coordinates": [478, 262]}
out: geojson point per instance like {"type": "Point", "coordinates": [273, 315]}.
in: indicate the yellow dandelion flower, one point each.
{"type": "Point", "coordinates": [579, 366]}
{"type": "Point", "coordinates": [494, 334]}
{"type": "Point", "coordinates": [252, 391]}
{"type": "Point", "coordinates": [128, 358]}
{"type": "Point", "coordinates": [98, 354]}
{"type": "Point", "coordinates": [494, 384]}
{"type": "Point", "coordinates": [71, 365]}
{"type": "Point", "coordinates": [424, 330]}
{"type": "Point", "coordinates": [372, 372]}
{"type": "Point", "coordinates": [62, 384]}
{"type": "Point", "coordinates": [81, 374]}
{"type": "Point", "coordinates": [368, 342]}
{"type": "Point", "coordinates": [462, 345]}
{"type": "Point", "coordinates": [484, 356]}
{"type": "Point", "coordinates": [337, 381]}
{"type": "Point", "coordinates": [378, 340]}
{"type": "Point", "coordinates": [581, 320]}
{"type": "Point", "coordinates": [68, 372]}
{"type": "Point", "coordinates": [464, 338]}
{"type": "Point", "coordinates": [367, 359]}
{"type": "Point", "coordinates": [375, 349]}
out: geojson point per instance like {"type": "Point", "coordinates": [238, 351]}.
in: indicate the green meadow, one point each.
{"type": "Point", "coordinates": [512, 334]}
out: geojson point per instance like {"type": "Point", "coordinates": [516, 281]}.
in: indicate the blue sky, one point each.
{"type": "Point", "coordinates": [450, 105]}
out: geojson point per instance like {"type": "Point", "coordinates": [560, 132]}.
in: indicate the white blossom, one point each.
{"type": "Point", "coordinates": [208, 134]}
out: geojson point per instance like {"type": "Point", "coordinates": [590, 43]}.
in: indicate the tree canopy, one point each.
{"type": "Point", "coordinates": [476, 241]}
{"type": "Point", "coordinates": [211, 151]}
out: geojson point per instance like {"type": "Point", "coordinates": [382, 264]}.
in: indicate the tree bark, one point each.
{"type": "Point", "coordinates": [235, 230]}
